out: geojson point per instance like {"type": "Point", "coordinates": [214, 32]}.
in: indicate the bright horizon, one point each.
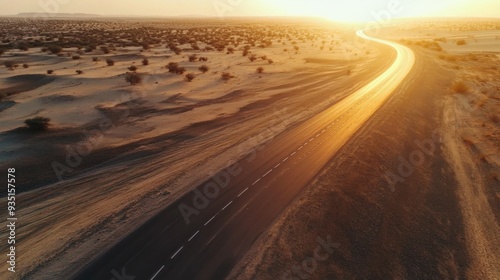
{"type": "Point", "coordinates": [351, 10]}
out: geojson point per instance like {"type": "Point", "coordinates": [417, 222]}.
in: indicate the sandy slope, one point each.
{"type": "Point", "coordinates": [174, 136]}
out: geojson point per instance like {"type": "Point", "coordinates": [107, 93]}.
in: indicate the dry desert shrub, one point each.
{"type": "Point", "coordinates": [133, 68]}
{"type": "Point", "coordinates": [260, 70]}
{"type": "Point", "coordinates": [204, 68]}
{"type": "Point", "coordinates": [180, 70]}
{"type": "Point", "coordinates": [110, 62]}
{"type": "Point", "coordinates": [9, 64]}
{"type": "Point", "coordinates": [193, 57]}
{"type": "Point", "coordinates": [226, 76]}
{"type": "Point", "coordinates": [461, 42]}
{"type": "Point", "coordinates": [54, 49]}
{"type": "Point", "coordinates": [38, 123]}
{"type": "Point", "coordinates": [133, 78]}
{"type": "Point", "coordinates": [50, 71]}
{"type": "Point", "coordinates": [105, 49]}
{"type": "Point", "coordinates": [190, 76]}
{"type": "Point", "coordinates": [145, 61]}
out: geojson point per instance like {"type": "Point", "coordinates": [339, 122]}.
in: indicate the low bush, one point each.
{"type": "Point", "coordinates": [226, 76]}
{"type": "Point", "coordinates": [193, 58]}
{"type": "Point", "coordinates": [55, 49]}
{"type": "Point", "coordinates": [133, 78]}
{"type": "Point", "coordinates": [110, 62]}
{"type": "Point", "coordinates": [38, 123]}
{"type": "Point", "coordinates": [190, 76]}
{"type": "Point", "coordinates": [204, 68]}
{"type": "Point", "coordinates": [9, 64]}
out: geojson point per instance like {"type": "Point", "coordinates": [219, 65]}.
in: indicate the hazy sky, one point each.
{"type": "Point", "coordinates": [364, 10]}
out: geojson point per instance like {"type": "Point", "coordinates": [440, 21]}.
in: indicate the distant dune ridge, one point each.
{"type": "Point", "coordinates": [59, 15]}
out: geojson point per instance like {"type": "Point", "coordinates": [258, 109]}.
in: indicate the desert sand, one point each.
{"type": "Point", "coordinates": [92, 177]}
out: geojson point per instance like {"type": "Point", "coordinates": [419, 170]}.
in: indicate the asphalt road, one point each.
{"type": "Point", "coordinates": [216, 231]}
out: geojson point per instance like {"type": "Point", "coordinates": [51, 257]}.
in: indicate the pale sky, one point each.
{"type": "Point", "coordinates": [360, 10]}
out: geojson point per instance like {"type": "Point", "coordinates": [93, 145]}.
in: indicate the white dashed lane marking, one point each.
{"type": "Point", "coordinates": [227, 205]}
{"type": "Point", "coordinates": [158, 272]}
{"type": "Point", "coordinates": [210, 220]}
{"type": "Point", "coordinates": [267, 173]}
{"type": "Point", "coordinates": [243, 192]}
{"type": "Point", "coordinates": [177, 252]}
{"type": "Point", "coordinates": [192, 236]}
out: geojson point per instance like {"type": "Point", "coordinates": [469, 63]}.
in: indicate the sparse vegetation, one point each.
{"type": "Point", "coordinates": [105, 49]}
{"type": "Point", "coordinates": [75, 57]}
{"type": "Point", "coordinates": [11, 65]}
{"type": "Point", "coordinates": [50, 72]}
{"type": "Point", "coordinates": [79, 72]}
{"type": "Point", "coordinates": [193, 57]}
{"type": "Point", "coordinates": [133, 68]}
{"type": "Point", "coordinates": [180, 70]}
{"type": "Point", "coordinates": [38, 123]}
{"type": "Point", "coordinates": [226, 76]}
{"type": "Point", "coordinates": [145, 61]}
{"type": "Point", "coordinates": [172, 67]}
{"type": "Point", "coordinates": [54, 49]}
{"type": "Point", "coordinates": [461, 42]}
{"type": "Point", "coordinates": [26, 66]}
{"type": "Point", "coordinates": [190, 76]}
{"type": "Point", "coordinates": [260, 70]}
{"type": "Point", "coordinates": [133, 78]}
{"type": "Point", "coordinates": [204, 68]}
{"type": "Point", "coordinates": [110, 62]}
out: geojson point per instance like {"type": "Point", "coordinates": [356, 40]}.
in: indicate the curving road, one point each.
{"type": "Point", "coordinates": [215, 232]}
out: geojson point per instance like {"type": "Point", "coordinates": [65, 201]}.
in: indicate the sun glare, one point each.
{"type": "Point", "coordinates": [364, 10]}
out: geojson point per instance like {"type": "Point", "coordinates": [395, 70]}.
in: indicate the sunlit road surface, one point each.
{"type": "Point", "coordinates": [166, 247]}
